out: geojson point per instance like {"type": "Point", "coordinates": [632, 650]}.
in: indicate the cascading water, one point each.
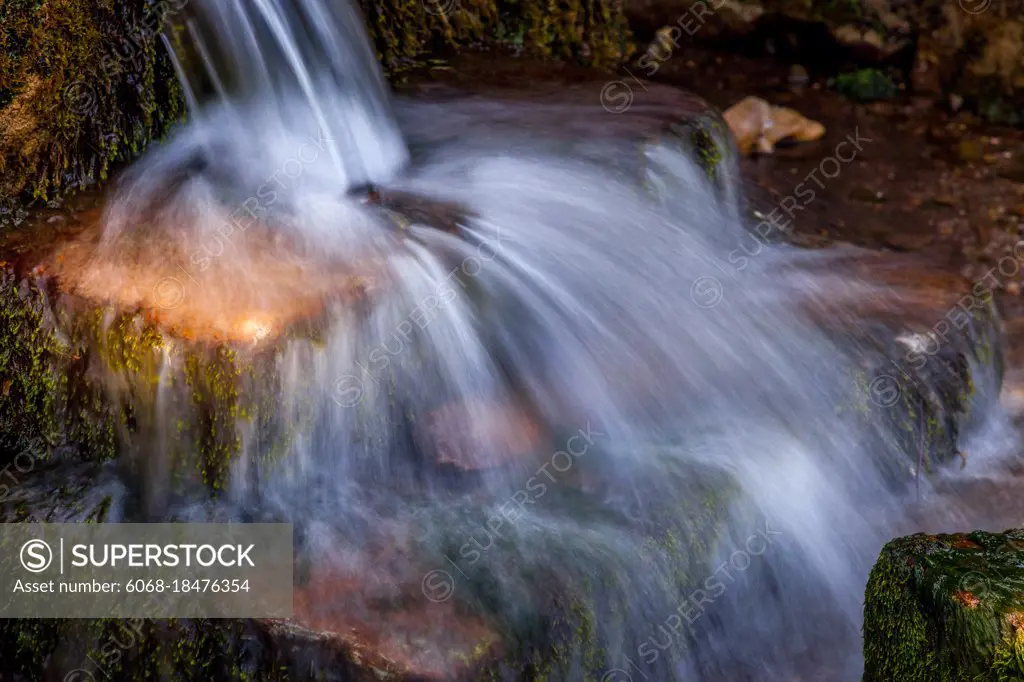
{"type": "Point", "coordinates": [553, 403]}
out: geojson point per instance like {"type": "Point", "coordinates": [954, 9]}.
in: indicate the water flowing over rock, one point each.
{"type": "Point", "coordinates": [541, 405]}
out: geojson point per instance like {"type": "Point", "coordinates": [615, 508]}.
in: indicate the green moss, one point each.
{"type": "Point", "coordinates": [89, 379]}
{"type": "Point", "coordinates": [709, 152]}
{"type": "Point", "coordinates": [129, 346]}
{"type": "Point", "coordinates": [705, 138]}
{"type": "Point", "coordinates": [896, 637]}
{"type": "Point", "coordinates": [47, 397]}
{"type": "Point", "coordinates": [25, 643]}
{"type": "Point", "coordinates": [926, 401]}
{"type": "Point", "coordinates": [137, 650]}
{"type": "Point", "coordinates": [866, 85]}
{"type": "Point", "coordinates": [28, 382]}
{"type": "Point", "coordinates": [591, 32]}
{"type": "Point", "coordinates": [214, 384]}
{"type": "Point", "coordinates": [87, 84]}
{"type": "Point", "coordinates": [946, 607]}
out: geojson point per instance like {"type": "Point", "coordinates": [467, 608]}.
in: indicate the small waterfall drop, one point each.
{"type": "Point", "coordinates": [550, 377]}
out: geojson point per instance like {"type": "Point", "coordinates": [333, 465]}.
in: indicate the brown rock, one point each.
{"type": "Point", "coordinates": [250, 299]}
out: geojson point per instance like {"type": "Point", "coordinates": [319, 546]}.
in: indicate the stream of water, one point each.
{"type": "Point", "coordinates": [545, 399]}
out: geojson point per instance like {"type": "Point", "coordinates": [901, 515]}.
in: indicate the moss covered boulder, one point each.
{"type": "Point", "coordinates": [449, 624]}
{"type": "Point", "coordinates": [588, 32]}
{"type": "Point", "coordinates": [929, 351]}
{"type": "Point", "coordinates": [134, 408]}
{"type": "Point", "coordinates": [83, 84]}
{"type": "Point", "coordinates": [946, 607]}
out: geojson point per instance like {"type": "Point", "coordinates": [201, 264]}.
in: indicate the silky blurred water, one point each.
{"type": "Point", "coordinates": [583, 293]}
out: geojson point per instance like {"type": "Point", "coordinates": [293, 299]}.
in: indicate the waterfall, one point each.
{"type": "Point", "coordinates": [553, 387]}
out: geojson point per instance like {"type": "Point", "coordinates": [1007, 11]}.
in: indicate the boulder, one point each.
{"type": "Point", "coordinates": [445, 620]}
{"type": "Point", "coordinates": [946, 607]}
{"type": "Point", "coordinates": [930, 345]}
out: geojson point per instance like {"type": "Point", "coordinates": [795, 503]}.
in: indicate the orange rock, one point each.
{"type": "Point", "coordinates": [249, 298]}
{"type": "Point", "coordinates": [759, 126]}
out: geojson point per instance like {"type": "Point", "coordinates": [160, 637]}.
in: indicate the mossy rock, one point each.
{"type": "Point", "coordinates": [930, 360]}
{"type": "Point", "coordinates": [83, 84]}
{"type": "Point", "coordinates": [571, 612]}
{"type": "Point", "coordinates": [928, 402]}
{"type": "Point", "coordinates": [80, 383]}
{"type": "Point", "coordinates": [196, 650]}
{"type": "Point", "coordinates": [588, 32]}
{"type": "Point", "coordinates": [49, 404]}
{"type": "Point", "coordinates": [866, 85]}
{"type": "Point", "coordinates": [210, 396]}
{"type": "Point", "coordinates": [946, 608]}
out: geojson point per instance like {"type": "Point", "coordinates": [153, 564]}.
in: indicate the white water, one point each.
{"type": "Point", "coordinates": [588, 285]}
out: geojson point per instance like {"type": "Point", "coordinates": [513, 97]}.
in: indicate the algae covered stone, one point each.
{"type": "Point", "coordinates": [83, 85]}
{"type": "Point", "coordinates": [590, 32]}
{"type": "Point", "coordinates": [946, 608]}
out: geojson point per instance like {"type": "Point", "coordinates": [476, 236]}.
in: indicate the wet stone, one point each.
{"type": "Point", "coordinates": [946, 607]}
